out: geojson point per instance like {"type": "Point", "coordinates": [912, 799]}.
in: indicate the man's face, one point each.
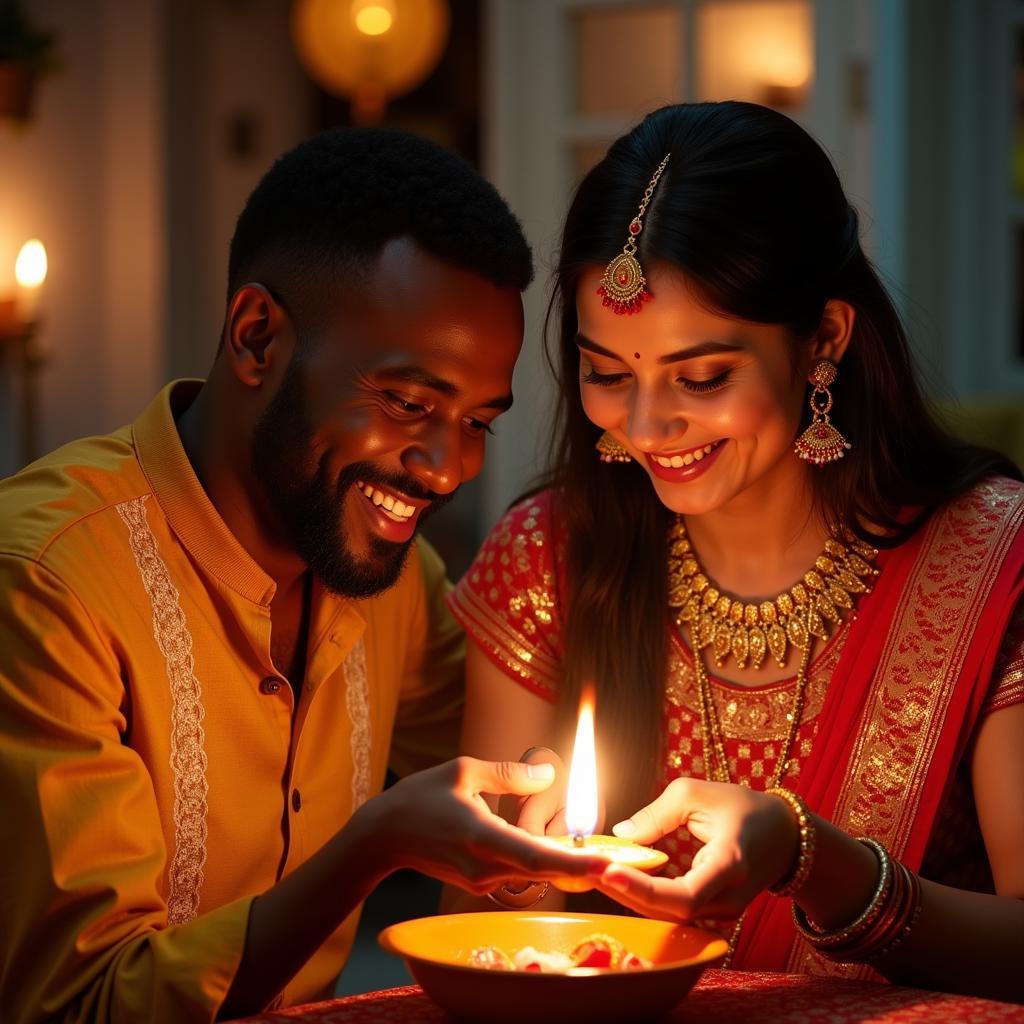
{"type": "Point", "coordinates": [380, 418]}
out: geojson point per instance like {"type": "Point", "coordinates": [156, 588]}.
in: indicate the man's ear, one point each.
{"type": "Point", "coordinates": [834, 332]}
{"type": "Point", "coordinates": [253, 333]}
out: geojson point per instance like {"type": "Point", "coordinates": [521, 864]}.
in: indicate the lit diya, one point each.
{"type": "Point", "coordinates": [581, 812]}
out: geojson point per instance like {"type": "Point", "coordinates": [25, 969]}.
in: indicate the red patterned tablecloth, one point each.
{"type": "Point", "coordinates": [720, 997]}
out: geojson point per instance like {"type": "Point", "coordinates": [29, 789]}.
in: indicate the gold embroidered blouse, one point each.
{"type": "Point", "coordinates": [510, 603]}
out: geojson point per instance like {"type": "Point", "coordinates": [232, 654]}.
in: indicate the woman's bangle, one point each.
{"type": "Point", "coordinates": [796, 879]}
{"type": "Point", "coordinates": [824, 939]}
{"type": "Point", "coordinates": [883, 924]}
{"type": "Point", "coordinates": [911, 911]}
{"type": "Point", "coordinates": [895, 924]}
{"type": "Point", "coordinates": [521, 898]}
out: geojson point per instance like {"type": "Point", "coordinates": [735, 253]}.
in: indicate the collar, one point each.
{"type": "Point", "coordinates": [189, 511]}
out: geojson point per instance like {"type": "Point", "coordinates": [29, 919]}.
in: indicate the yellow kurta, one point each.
{"type": "Point", "coordinates": [153, 775]}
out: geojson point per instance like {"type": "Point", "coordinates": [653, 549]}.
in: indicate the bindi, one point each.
{"type": "Point", "coordinates": [636, 355]}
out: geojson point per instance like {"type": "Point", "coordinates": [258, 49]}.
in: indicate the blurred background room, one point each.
{"type": "Point", "coordinates": [132, 131]}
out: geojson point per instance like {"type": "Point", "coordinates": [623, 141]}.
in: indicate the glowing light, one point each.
{"type": "Point", "coordinates": [369, 51]}
{"type": "Point", "coordinates": [756, 50]}
{"type": "Point", "coordinates": [373, 19]}
{"type": "Point", "coordinates": [581, 800]}
{"type": "Point", "coordinates": [30, 266]}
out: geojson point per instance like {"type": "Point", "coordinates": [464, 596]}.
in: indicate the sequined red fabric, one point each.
{"type": "Point", "coordinates": [511, 603]}
{"type": "Point", "coordinates": [721, 997]}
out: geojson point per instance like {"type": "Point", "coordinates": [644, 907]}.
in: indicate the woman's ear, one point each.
{"type": "Point", "coordinates": [253, 333]}
{"type": "Point", "coordinates": [834, 331]}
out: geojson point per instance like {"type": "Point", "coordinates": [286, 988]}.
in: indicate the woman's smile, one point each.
{"type": "Point", "coordinates": [683, 384]}
{"type": "Point", "coordinates": [682, 466]}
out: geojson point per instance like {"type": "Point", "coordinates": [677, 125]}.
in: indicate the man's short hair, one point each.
{"type": "Point", "coordinates": [323, 212]}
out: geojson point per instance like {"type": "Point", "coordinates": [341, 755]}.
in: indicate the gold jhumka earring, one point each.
{"type": "Point", "coordinates": [609, 450]}
{"type": "Point", "coordinates": [821, 442]}
{"type": "Point", "coordinates": [623, 286]}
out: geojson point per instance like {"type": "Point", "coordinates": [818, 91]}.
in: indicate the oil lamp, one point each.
{"type": "Point", "coordinates": [581, 811]}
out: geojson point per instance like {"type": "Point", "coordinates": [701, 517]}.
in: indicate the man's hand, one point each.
{"type": "Point", "coordinates": [437, 822]}
{"type": "Point", "coordinates": [541, 813]}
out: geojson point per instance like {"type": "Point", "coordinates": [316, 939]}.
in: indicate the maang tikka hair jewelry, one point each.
{"type": "Point", "coordinates": [821, 442]}
{"type": "Point", "coordinates": [609, 450]}
{"type": "Point", "coordinates": [623, 286]}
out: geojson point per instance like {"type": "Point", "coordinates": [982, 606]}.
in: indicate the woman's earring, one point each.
{"type": "Point", "coordinates": [821, 442]}
{"type": "Point", "coordinates": [609, 450]}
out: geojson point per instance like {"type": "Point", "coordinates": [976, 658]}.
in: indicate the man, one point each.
{"type": "Point", "coordinates": [216, 627]}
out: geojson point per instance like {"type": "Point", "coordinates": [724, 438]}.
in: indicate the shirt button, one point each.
{"type": "Point", "coordinates": [296, 801]}
{"type": "Point", "coordinates": [270, 685]}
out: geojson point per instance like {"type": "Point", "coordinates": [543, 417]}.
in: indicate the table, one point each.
{"type": "Point", "coordinates": [720, 997]}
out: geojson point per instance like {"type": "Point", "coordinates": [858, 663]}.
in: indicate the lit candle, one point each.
{"type": "Point", "coordinates": [581, 805]}
{"type": "Point", "coordinates": [30, 272]}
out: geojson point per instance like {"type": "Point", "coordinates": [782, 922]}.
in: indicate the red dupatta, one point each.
{"type": "Point", "coordinates": [905, 697]}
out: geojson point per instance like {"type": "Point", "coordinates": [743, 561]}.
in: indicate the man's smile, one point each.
{"type": "Point", "coordinates": [388, 502]}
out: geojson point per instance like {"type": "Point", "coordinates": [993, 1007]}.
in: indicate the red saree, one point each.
{"type": "Point", "coordinates": [905, 696]}
{"type": "Point", "coordinates": [892, 700]}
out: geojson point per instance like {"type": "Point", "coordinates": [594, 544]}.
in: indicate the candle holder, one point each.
{"type": "Point", "coordinates": [19, 350]}
{"type": "Point", "coordinates": [618, 851]}
{"type": "Point", "coordinates": [19, 328]}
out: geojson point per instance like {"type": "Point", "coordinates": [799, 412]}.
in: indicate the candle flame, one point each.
{"type": "Point", "coordinates": [30, 266]}
{"type": "Point", "coordinates": [581, 800]}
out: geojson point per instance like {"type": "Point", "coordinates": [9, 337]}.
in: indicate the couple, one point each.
{"type": "Point", "coordinates": [217, 631]}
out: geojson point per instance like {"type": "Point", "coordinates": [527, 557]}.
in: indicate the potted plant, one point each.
{"type": "Point", "coordinates": [26, 52]}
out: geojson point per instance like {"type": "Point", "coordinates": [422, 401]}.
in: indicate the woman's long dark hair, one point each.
{"type": "Point", "coordinates": [752, 212]}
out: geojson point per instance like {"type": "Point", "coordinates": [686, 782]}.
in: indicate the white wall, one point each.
{"type": "Point", "coordinates": [127, 175]}
{"type": "Point", "coordinates": [229, 61]}
{"type": "Point", "coordinates": [84, 177]}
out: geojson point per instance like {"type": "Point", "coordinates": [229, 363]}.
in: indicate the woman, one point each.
{"type": "Point", "coordinates": [769, 488]}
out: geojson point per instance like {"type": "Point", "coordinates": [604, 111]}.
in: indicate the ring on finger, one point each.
{"type": "Point", "coordinates": [518, 897]}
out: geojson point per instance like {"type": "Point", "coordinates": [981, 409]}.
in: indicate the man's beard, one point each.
{"type": "Point", "coordinates": [311, 505]}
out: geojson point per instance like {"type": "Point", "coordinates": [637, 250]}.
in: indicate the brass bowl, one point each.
{"type": "Point", "coordinates": [437, 950]}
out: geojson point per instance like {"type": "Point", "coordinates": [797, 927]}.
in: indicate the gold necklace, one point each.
{"type": "Point", "coordinates": [716, 764]}
{"type": "Point", "coordinates": [748, 630]}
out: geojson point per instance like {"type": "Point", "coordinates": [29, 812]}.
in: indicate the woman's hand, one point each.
{"type": "Point", "coordinates": [437, 822]}
{"type": "Point", "coordinates": [750, 842]}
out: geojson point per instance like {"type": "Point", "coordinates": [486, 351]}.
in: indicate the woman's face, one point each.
{"type": "Point", "coordinates": [709, 405]}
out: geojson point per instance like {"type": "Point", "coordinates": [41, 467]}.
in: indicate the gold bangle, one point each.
{"type": "Point", "coordinates": [796, 879]}
{"type": "Point", "coordinates": [512, 898]}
